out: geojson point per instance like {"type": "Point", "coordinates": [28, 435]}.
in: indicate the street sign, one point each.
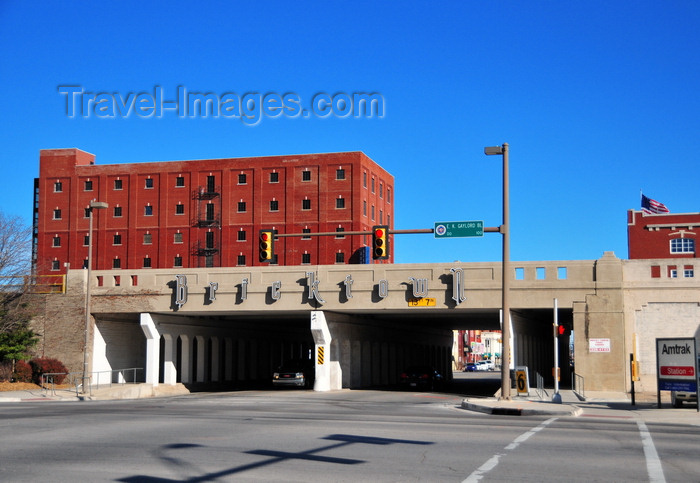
{"type": "Point", "coordinates": [422, 302]}
{"type": "Point", "coordinates": [456, 229]}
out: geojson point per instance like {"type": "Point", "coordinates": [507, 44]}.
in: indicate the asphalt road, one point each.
{"type": "Point", "coordinates": [293, 435]}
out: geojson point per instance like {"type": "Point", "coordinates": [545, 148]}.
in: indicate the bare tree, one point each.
{"type": "Point", "coordinates": [15, 259]}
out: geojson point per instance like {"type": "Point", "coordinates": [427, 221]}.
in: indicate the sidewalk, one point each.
{"type": "Point", "coordinates": [117, 391]}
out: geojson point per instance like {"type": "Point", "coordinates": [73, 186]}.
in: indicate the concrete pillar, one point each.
{"type": "Point", "coordinates": [201, 358]}
{"type": "Point", "coordinates": [169, 352]}
{"type": "Point", "coordinates": [322, 352]}
{"type": "Point", "coordinates": [228, 359]}
{"type": "Point", "coordinates": [185, 358]}
{"type": "Point", "coordinates": [215, 359]}
{"type": "Point", "coordinates": [152, 348]}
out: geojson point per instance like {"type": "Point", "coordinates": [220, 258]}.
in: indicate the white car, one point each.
{"type": "Point", "coordinates": [484, 365]}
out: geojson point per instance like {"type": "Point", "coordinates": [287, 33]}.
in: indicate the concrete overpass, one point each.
{"type": "Point", "coordinates": [234, 325]}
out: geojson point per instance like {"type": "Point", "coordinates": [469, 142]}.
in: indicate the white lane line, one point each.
{"type": "Point", "coordinates": [656, 472]}
{"type": "Point", "coordinates": [492, 462]}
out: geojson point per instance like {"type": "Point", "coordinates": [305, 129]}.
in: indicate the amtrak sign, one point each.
{"type": "Point", "coordinates": [677, 365]}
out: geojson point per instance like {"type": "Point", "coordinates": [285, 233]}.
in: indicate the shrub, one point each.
{"type": "Point", "coordinates": [5, 370]}
{"type": "Point", "coordinates": [23, 372]}
{"type": "Point", "coordinates": [42, 365]}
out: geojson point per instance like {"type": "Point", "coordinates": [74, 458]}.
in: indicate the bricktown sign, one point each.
{"type": "Point", "coordinates": [419, 285]}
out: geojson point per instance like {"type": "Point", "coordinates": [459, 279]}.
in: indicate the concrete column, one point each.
{"type": "Point", "coordinates": [169, 352]}
{"type": "Point", "coordinates": [201, 357]}
{"type": "Point", "coordinates": [322, 352]}
{"type": "Point", "coordinates": [215, 359]}
{"type": "Point", "coordinates": [185, 358]}
{"type": "Point", "coordinates": [228, 359]}
{"type": "Point", "coordinates": [152, 348]}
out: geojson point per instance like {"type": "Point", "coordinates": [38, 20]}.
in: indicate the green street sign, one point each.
{"type": "Point", "coordinates": [456, 229]}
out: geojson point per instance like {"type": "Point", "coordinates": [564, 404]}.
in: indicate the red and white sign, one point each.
{"type": "Point", "coordinates": [677, 371]}
{"type": "Point", "coordinates": [598, 345]}
{"type": "Point", "coordinates": [676, 359]}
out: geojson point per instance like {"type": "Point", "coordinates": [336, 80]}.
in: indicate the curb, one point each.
{"type": "Point", "coordinates": [506, 408]}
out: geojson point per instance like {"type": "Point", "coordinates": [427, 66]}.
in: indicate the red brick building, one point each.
{"type": "Point", "coordinates": [662, 235]}
{"type": "Point", "coordinates": [206, 212]}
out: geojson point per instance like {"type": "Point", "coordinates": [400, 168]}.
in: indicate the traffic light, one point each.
{"type": "Point", "coordinates": [562, 331]}
{"type": "Point", "coordinates": [380, 242]}
{"type": "Point", "coordinates": [267, 245]}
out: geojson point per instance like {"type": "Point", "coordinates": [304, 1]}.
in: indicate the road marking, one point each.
{"type": "Point", "coordinates": [492, 462]}
{"type": "Point", "coordinates": [656, 472]}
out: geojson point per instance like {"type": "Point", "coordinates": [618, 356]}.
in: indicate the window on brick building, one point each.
{"type": "Point", "coordinates": [372, 212]}
{"type": "Point", "coordinates": [340, 257]}
{"type": "Point", "coordinates": [209, 239]}
{"type": "Point", "coordinates": [177, 262]}
{"type": "Point", "coordinates": [241, 207]}
{"type": "Point", "coordinates": [364, 208]}
{"type": "Point", "coordinates": [241, 178]}
{"type": "Point", "coordinates": [86, 240]}
{"type": "Point", "coordinates": [274, 259]}
{"type": "Point", "coordinates": [57, 241]}
{"type": "Point", "coordinates": [340, 229]}
{"type": "Point", "coordinates": [672, 271]}
{"type": "Point", "coordinates": [211, 184]}
{"type": "Point", "coordinates": [85, 263]}
{"type": "Point", "coordinates": [57, 187]}
{"type": "Point", "coordinates": [306, 230]}
{"type": "Point", "coordinates": [240, 261]}
{"type": "Point", "coordinates": [305, 204]}
{"type": "Point", "coordinates": [117, 239]}
{"type": "Point", "coordinates": [274, 205]}
{"type": "Point", "coordinates": [177, 238]}
{"type": "Point", "coordinates": [55, 265]}
{"type": "Point", "coordinates": [372, 184]}
{"type": "Point", "coordinates": [117, 211]}
{"type": "Point", "coordinates": [86, 213]}
{"type": "Point", "coordinates": [340, 203]}
{"type": "Point", "coordinates": [146, 262]}
{"type": "Point", "coordinates": [149, 183]}
{"type": "Point", "coordinates": [306, 175]}
{"type": "Point", "coordinates": [180, 182]}
{"type": "Point", "coordinates": [340, 174]}
{"type": "Point", "coordinates": [688, 271]}
{"type": "Point", "coordinates": [117, 184]}
{"type": "Point", "coordinates": [179, 209]}
{"type": "Point", "coordinates": [683, 245]}
{"type": "Point", "coordinates": [56, 214]}
{"type": "Point", "coordinates": [388, 194]}
{"type": "Point", "coordinates": [364, 179]}
{"type": "Point", "coordinates": [274, 177]}
{"type": "Point", "coordinates": [241, 235]}
{"type": "Point", "coordinates": [148, 210]}
{"type": "Point", "coordinates": [88, 186]}
{"type": "Point", "coordinates": [381, 189]}
{"type": "Point", "coordinates": [117, 263]}
{"type": "Point", "coordinates": [305, 258]}
{"type": "Point", "coordinates": [147, 238]}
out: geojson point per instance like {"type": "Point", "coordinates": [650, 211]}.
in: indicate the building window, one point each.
{"type": "Point", "coordinates": [148, 210]}
{"type": "Point", "coordinates": [180, 182]}
{"type": "Point", "coordinates": [340, 203]}
{"type": "Point", "coordinates": [340, 257]}
{"type": "Point", "coordinates": [340, 229]}
{"type": "Point", "coordinates": [241, 260]}
{"type": "Point", "coordinates": [85, 264]}
{"type": "Point", "coordinates": [210, 211]}
{"type": "Point", "coordinates": [364, 180]}
{"type": "Point", "coordinates": [56, 214]}
{"type": "Point", "coordinates": [274, 205]}
{"type": "Point", "coordinates": [672, 271]}
{"type": "Point", "coordinates": [209, 239]}
{"type": "Point", "coordinates": [87, 213]}
{"type": "Point", "coordinates": [306, 204]}
{"type": "Point", "coordinates": [241, 235]}
{"type": "Point", "coordinates": [381, 189]}
{"type": "Point", "coordinates": [57, 241]}
{"type": "Point", "coordinates": [364, 208]}
{"type": "Point", "coordinates": [147, 238]}
{"type": "Point", "coordinates": [683, 245]}
{"type": "Point", "coordinates": [372, 212]}
{"type": "Point", "coordinates": [177, 238]}
{"type": "Point", "coordinates": [57, 187]}
{"type": "Point", "coordinates": [388, 194]}
{"type": "Point", "coordinates": [274, 177]}
{"type": "Point", "coordinates": [381, 216]}
{"type": "Point", "coordinates": [86, 240]}
{"type": "Point", "coordinates": [149, 183]}
{"type": "Point", "coordinates": [688, 271]}
{"type": "Point", "coordinates": [340, 174]}
{"type": "Point", "coordinates": [117, 239]}
{"type": "Point", "coordinates": [146, 262]}
{"type": "Point", "coordinates": [274, 259]}
{"type": "Point", "coordinates": [177, 262]}
{"type": "Point", "coordinates": [306, 258]}
{"type": "Point", "coordinates": [241, 207]}
{"type": "Point", "coordinates": [241, 179]}
{"type": "Point", "coordinates": [306, 230]}
{"type": "Point", "coordinates": [117, 263]}
{"type": "Point", "coordinates": [306, 175]}
{"type": "Point", "coordinates": [211, 184]}
{"type": "Point", "coordinates": [88, 186]}
{"type": "Point", "coordinates": [372, 184]}
{"type": "Point", "coordinates": [117, 184]}
{"type": "Point", "coordinates": [179, 209]}
{"type": "Point", "coordinates": [55, 265]}
{"type": "Point", "coordinates": [117, 211]}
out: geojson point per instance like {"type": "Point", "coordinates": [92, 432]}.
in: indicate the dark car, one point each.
{"type": "Point", "coordinates": [470, 367]}
{"type": "Point", "coordinates": [421, 377]}
{"type": "Point", "coordinates": [295, 373]}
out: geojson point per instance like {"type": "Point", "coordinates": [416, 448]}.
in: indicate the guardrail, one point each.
{"type": "Point", "coordinates": [541, 391]}
{"type": "Point", "coordinates": [101, 379]}
{"type": "Point", "coordinates": [578, 384]}
{"type": "Point", "coordinates": [116, 376]}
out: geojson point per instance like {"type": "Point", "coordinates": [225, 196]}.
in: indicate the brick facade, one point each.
{"type": "Point", "coordinates": [662, 236]}
{"type": "Point", "coordinates": [206, 212]}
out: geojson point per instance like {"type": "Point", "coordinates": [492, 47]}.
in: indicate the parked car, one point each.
{"type": "Point", "coordinates": [295, 373]}
{"type": "Point", "coordinates": [484, 365]}
{"type": "Point", "coordinates": [470, 367]}
{"type": "Point", "coordinates": [679, 397]}
{"type": "Point", "coordinates": [421, 377]}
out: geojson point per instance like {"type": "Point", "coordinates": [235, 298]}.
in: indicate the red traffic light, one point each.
{"type": "Point", "coordinates": [380, 242]}
{"type": "Point", "coordinates": [561, 329]}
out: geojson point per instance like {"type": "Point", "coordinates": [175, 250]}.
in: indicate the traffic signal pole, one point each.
{"type": "Point", "coordinates": [556, 398]}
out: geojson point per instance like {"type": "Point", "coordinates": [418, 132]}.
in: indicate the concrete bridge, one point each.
{"type": "Point", "coordinates": [234, 325]}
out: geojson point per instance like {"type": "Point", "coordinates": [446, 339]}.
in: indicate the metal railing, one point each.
{"type": "Point", "coordinates": [541, 391]}
{"type": "Point", "coordinates": [578, 384]}
{"type": "Point", "coordinates": [48, 381]}
{"type": "Point", "coordinates": [95, 380]}
{"type": "Point", "coordinates": [117, 376]}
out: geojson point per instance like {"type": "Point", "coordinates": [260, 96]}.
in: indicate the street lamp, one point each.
{"type": "Point", "coordinates": [505, 276]}
{"type": "Point", "coordinates": [94, 205]}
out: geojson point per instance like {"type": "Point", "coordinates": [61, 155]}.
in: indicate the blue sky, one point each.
{"type": "Point", "coordinates": [597, 100]}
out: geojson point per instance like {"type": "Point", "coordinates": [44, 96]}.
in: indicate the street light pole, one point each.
{"type": "Point", "coordinates": [100, 205]}
{"type": "Point", "coordinates": [505, 269]}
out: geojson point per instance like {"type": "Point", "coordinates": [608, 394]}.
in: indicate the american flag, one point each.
{"type": "Point", "coordinates": [650, 206]}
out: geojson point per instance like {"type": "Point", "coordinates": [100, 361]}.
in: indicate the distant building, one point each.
{"type": "Point", "coordinates": [206, 213]}
{"type": "Point", "coordinates": [662, 235]}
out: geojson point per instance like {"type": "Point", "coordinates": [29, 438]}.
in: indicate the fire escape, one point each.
{"type": "Point", "coordinates": [207, 247]}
